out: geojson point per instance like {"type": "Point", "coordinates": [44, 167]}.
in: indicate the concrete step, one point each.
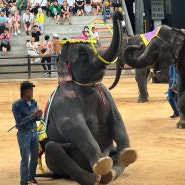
{"type": "Point", "coordinates": [64, 31]}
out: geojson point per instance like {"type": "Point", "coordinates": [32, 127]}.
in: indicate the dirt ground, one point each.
{"type": "Point", "coordinates": [159, 144]}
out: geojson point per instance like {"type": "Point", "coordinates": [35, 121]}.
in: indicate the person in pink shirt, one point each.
{"type": "Point", "coordinates": [5, 41]}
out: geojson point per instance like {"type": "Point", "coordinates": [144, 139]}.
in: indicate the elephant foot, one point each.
{"type": "Point", "coordinates": [108, 177]}
{"type": "Point", "coordinates": [103, 166]}
{"type": "Point", "coordinates": [180, 124]}
{"type": "Point", "coordinates": [127, 157]}
{"type": "Point", "coordinates": [142, 100]}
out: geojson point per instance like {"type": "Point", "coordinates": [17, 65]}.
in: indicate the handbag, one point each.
{"type": "Point", "coordinates": [4, 41]}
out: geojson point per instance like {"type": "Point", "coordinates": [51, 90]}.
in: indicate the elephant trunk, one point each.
{"type": "Point", "coordinates": [144, 60]}
{"type": "Point", "coordinates": [118, 74]}
{"type": "Point", "coordinates": [115, 47]}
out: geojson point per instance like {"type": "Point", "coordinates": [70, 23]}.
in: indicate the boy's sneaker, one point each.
{"type": "Point", "coordinates": [19, 31]}
{"type": "Point", "coordinates": [15, 33]}
{"type": "Point", "coordinates": [33, 182]}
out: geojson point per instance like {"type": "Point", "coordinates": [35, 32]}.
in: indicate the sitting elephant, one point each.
{"type": "Point", "coordinates": [83, 120]}
{"type": "Point", "coordinates": [141, 74]}
{"type": "Point", "coordinates": [167, 48]}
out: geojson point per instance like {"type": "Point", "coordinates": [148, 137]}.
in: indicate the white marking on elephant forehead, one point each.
{"type": "Point", "coordinates": [70, 94]}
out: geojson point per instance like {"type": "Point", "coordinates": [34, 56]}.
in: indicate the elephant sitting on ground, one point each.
{"type": "Point", "coordinates": [142, 74]}
{"type": "Point", "coordinates": [83, 120]}
{"type": "Point", "coordinates": [167, 48]}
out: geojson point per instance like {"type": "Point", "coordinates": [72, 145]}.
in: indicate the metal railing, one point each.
{"type": "Point", "coordinates": [29, 65]}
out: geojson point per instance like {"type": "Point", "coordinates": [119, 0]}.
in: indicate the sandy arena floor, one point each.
{"type": "Point", "coordinates": [159, 144]}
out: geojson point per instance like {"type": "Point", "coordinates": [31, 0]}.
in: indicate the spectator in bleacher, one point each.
{"type": "Point", "coordinates": [3, 21]}
{"type": "Point", "coordinates": [40, 17]}
{"type": "Point", "coordinates": [16, 23]}
{"type": "Point", "coordinates": [55, 11]}
{"type": "Point", "coordinates": [6, 8]}
{"type": "Point", "coordinates": [5, 41]}
{"type": "Point", "coordinates": [56, 48]}
{"type": "Point", "coordinates": [28, 21]}
{"type": "Point", "coordinates": [32, 49]}
{"type": "Point", "coordinates": [22, 5]}
{"type": "Point", "coordinates": [97, 6]}
{"type": "Point", "coordinates": [79, 4]}
{"type": "Point", "coordinates": [44, 6]}
{"type": "Point", "coordinates": [33, 6]}
{"type": "Point", "coordinates": [36, 34]}
{"type": "Point", "coordinates": [88, 7]}
{"type": "Point", "coordinates": [60, 2]}
{"type": "Point", "coordinates": [116, 3]}
{"type": "Point", "coordinates": [107, 13]}
{"type": "Point", "coordinates": [65, 13]}
{"type": "Point", "coordinates": [10, 20]}
{"type": "Point", "coordinates": [46, 51]}
{"type": "Point", "coordinates": [71, 4]}
{"type": "Point", "coordinates": [2, 5]}
{"type": "Point", "coordinates": [12, 6]}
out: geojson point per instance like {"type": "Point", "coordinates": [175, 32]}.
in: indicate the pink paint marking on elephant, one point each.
{"type": "Point", "coordinates": [147, 37]}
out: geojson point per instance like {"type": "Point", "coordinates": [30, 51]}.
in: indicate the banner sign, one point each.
{"type": "Point", "coordinates": [157, 7]}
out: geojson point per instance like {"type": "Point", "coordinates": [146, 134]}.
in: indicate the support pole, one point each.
{"type": "Point", "coordinates": [139, 16]}
{"type": "Point", "coordinates": [127, 20]}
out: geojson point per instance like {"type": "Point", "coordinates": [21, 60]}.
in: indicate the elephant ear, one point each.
{"type": "Point", "coordinates": [177, 42]}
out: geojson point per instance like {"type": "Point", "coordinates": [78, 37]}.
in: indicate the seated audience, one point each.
{"type": "Point", "coordinates": [28, 21]}
{"type": "Point", "coordinates": [107, 14]}
{"type": "Point", "coordinates": [3, 21]}
{"type": "Point", "coordinates": [5, 41]}
{"type": "Point", "coordinates": [65, 14]}
{"type": "Point", "coordinates": [79, 5]}
{"type": "Point", "coordinates": [55, 11]}
{"type": "Point", "coordinates": [33, 6]}
{"type": "Point", "coordinates": [40, 17]}
{"type": "Point", "coordinates": [71, 4]}
{"type": "Point", "coordinates": [16, 23]}
{"type": "Point", "coordinates": [88, 7]}
{"type": "Point", "coordinates": [97, 6]}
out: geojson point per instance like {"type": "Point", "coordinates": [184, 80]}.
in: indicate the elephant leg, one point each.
{"type": "Point", "coordinates": [61, 163]}
{"type": "Point", "coordinates": [141, 79]}
{"type": "Point", "coordinates": [82, 138]}
{"type": "Point", "coordinates": [117, 169]}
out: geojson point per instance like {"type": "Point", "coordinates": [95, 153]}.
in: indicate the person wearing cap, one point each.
{"type": "Point", "coordinates": [85, 32]}
{"type": "Point", "coordinates": [107, 14]}
{"type": "Point", "coordinates": [26, 113]}
{"type": "Point", "coordinates": [56, 48]}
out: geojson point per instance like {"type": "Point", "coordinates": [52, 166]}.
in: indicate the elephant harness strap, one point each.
{"type": "Point", "coordinates": [41, 130]}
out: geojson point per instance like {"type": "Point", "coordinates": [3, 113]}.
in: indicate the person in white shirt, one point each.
{"type": "Point", "coordinates": [95, 34]}
{"type": "Point", "coordinates": [28, 21]}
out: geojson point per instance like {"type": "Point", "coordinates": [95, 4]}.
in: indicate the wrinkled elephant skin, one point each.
{"type": "Point", "coordinates": [83, 119]}
{"type": "Point", "coordinates": [167, 48]}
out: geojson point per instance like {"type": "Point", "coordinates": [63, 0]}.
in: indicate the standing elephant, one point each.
{"type": "Point", "coordinates": [83, 120]}
{"type": "Point", "coordinates": [141, 75]}
{"type": "Point", "coordinates": [167, 48]}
